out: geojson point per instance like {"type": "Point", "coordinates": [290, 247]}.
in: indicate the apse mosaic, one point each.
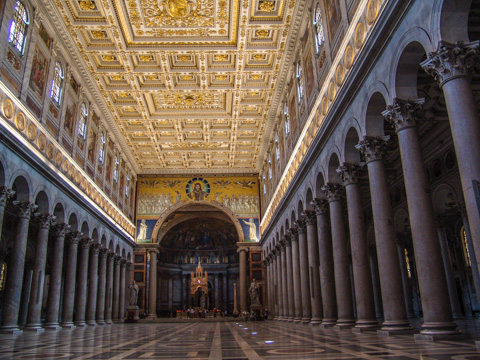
{"type": "Point", "coordinates": [156, 195]}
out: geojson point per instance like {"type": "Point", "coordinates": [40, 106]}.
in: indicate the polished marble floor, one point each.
{"type": "Point", "coordinates": [229, 340]}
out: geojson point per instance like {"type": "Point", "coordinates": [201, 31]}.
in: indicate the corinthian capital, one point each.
{"type": "Point", "coordinates": [333, 191]}
{"type": "Point", "coordinates": [5, 194]}
{"type": "Point", "coordinates": [452, 60]}
{"type": "Point", "coordinates": [349, 173]}
{"type": "Point", "coordinates": [24, 208]}
{"type": "Point", "coordinates": [44, 221]}
{"type": "Point", "coordinates": [60, 229]}
{"type": "Point", "coordinates": [320, 206]}
{"type": "Point", "coordinates": [310, 217]}
{"type": "Point", "coordinates": [74, 237]}
{"type": "Point", "coordinates": [300, 226]}
{"type": "Point", "coordinates": [402, 113]}
{"type": "Point", "coordinates": [373, 148]}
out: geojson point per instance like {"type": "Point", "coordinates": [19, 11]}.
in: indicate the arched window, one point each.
{"type": "Point", "coordinates": [56, 91]}
{"type": "Point", "coordinates": [264, 185]}
{"type": "Point", "coordinates": [82, 122]}
{"type": "Point", "coordinates": [270, 173]}
{"type": "Point", "coordinates": [101, 150]}
{"type": "Point", "coordinates": [318, 28]}
{"type": "Point", "coordinates": [277, 147]}
{"type": "Point", "coordinates": [463, 234]}
{"type": "Point", "coordinates": [127, 185]}
{"type": "Point", "coordinates": [3, 276]}
{"type": "Point", "coordinates": [18, 27]}
{"type": "Point", "coordinates": [115, 172]}
{"type": "Point", "coordinates": [286, 114]}
{"type": "Point", "coordinates": [300, 87]}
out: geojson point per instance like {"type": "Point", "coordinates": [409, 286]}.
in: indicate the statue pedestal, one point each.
{"type": "Point", "coordinates": [257, 309]}
{"type": "Point", "coordinates": [132, 314]}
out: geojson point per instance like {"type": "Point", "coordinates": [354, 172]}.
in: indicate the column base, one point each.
{"type": "Point", "coordinates": [108, 322]}
{"type": "Point", "coordinates": [306, 320]}
{"type": "Point", "coordinates": [439, 331]}
{"type": "Point", "coordinates": [328, 323]}
{"type": "Point", "coordinates": [390, 328]}
{"type": "Point", "coordinates": [297, 320]}
{"type": "Point", "coordinates": [291, 319]}
{"type": "Point", "coordinates": [34, 328]}
{"type": "Point", "coordinates": [80, 324]}
{"type": "Point", "coordinates": [91, 323]}
{"type": "Point", "coordinates": [344, 324]}
{"type": "Point", "coordinates": [365, 325]}
{"type": "Point", "coordinates": [12, 330]}
{"type": "Point", "coordinates": [52, 326]}
{"type": "Point", "coordinates": [149, 317]}
{"type": "Point", "coordinates": [101, 322]}
{"type": "Point", "coordinates": [315, 321]}
{"type": "Point", "coordinates": [68, 325]}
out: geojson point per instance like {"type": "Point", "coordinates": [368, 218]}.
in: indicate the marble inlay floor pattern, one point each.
{"type": "Point", "coordinates": [227, 340]}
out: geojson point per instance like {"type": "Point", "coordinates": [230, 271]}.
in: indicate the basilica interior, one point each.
{"type": "Point", "coordinates": [255, 179]}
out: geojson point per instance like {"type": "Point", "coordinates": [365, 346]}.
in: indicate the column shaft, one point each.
{"type": "Point", "coordinates": [297, 287]}
{"type": "Point", "coordinates": [243, 280]}
{"type": "Point", "coordinates": [116, 288]}
{"type": "Point", "coordinates": [102, 280]}
{"type": "Point", "coordinates": [152, 294]}
{"type": "Point", "coordinates": [283, 262]}
{"type": "Point", "coordinates": [280, 313]}
{"type": "Point", "coordinates": [11, 300]}
{"type": "Point", "coordinates": [291, 296]}
{"type": "Point", "coordinates": [36, 291]}
{"type": "Point", "coordinates": [70, 280]}
{"type": "Point", "coordinates": [109, 289]}
{"type": "Point", "coordinates": [92, 285]}
{"type": "Point", "coordinates": [121, 305]}
{"type": "Point", "coordinates": [81, 291]}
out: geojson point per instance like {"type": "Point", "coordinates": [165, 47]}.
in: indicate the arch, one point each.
{"type": "Point", "coordinates": [22, 189]}
{"type": "Point", "coordinates": [85, 229]}
{"type": "Point", "coordinates": [333, 165]}
{"type": "Point", "coordinates": [184, 204]}
{"type": "Point", "coordinates": [374, 121]}
{"type": "Point", "coordinates": [308, 199]}
{"type": "Point", "coordinates": [110, 245]}
{"type": "Point", "coordinates": [73, 222]}
{"type": "Point", "coordinates": [319, 183]}
{"type": "Point", "coordinates": [300, 208]}
{"type": "Point", "coordinates": [95, 236]}
{"type": "Point", "coordinates": [124, 254]}
{"type": "Point", "coordinates": [42, 201]}
{"type": "Point", "coordinates": [350, 152]}
{"type": "Point", "coordinates": [449, 20]}
{"type": "Point", "coordinates": [59, 213]}
{"type": "Point", "coordinates": [444, 199]}
{"type": "Point", "coordinates": [406, 72]}
{"type": "Point", "coordinates": [103, 241]}
{"type": "Point", "coordinates": [117, 249]}
{"type": "Point", "coordinates": [293, 218]}
{"type": "Point", "coordinates": [2, 174]}
{"type": "Point", "coordinates": [401, 221]}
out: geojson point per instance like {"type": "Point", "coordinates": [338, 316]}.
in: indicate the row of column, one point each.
{"type": "Point", "coordinates": [94, 278]}
{"type": "Point", "coordinates": [336, 301]}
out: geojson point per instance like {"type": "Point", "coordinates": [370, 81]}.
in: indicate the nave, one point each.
{"type": "Point", "coordinates": [230, 340]}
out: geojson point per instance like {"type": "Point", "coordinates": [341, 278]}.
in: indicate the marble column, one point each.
{"type": "Point", "coordinates": [116, 288]}
{"type": "Point", "coordinates": [283, 265]}
{"type": "Point", "coordinates": [5, 194]}
{"type": "Point", "coordinates": [377, 291]}
{"type": "Point", "coordinates": [451, 66]}
{"type": "Point", "coordinates": [121, 304]}
{"type": "Point", "coordinates": [395, 317]}
{"type": "Point", "coordinates": [92, 285]}
{"type": "Point", "coordinates": [72, 240]}
{"type": "Point", "coordinates": [314, 267]}
{"type": "Point", "coordinates": [102, 280]}
{"type": "Point", "coordinates": [109, 288]}
{"type": "Point", "coordinates": [327, 274]}
{"type": "Point", "coordinates": [297, 286]}
{"type": "Point", "coordinates": [438, 320]}
{"type": "Point", "coordinates": [343, 291]}
{"type": "Point", "coordinates": [362, 277]}
{"type": "Point", "coordinates": [447, 264]}
{"type": "Point", "coordinates": [304, 271]}
{"type": "Point", "coordinates": [243, 279]}
{"type": "Point", "coordinates": [278, 252]}
{"type": "Point", "coordinates": [44, 221]}
{"type": "Point", "coordinates": [53, 301]}
{"type": "Point", "coordinates": [225, 291]}
{"type": "Point", "coordinates": [290, 290]}
{"type": "Point", "coordinates": [152, 290]}
{"type": "Point", "coordinates": [217, 292]}
{"type": "Point", "coordinates": [274, 285]}
{"type": "Point", "coordinates": [170, 292]}
{"type": "Point", "coordinates": [11, 300]}
{"type": "Point", "coordinates": [81, 290]}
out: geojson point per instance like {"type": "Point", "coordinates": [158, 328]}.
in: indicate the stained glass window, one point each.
{"type": "Point", "coordinates": [18, 27]}
{"type": "Point", "coordinates": [115, 172]}
{"type": "Point", "coordinates": [286, 113]}
{"type": "Point", "coordinates": [56, 91]}
{"type": "Point", "coordinates": [318, 26]}
{"type": "Point", "coordinates": [82, 122]}
{"type": "Point", "coordinates": [277, 147]}
{"type": "Point", "coordinates": [300, 87]}
{"type": "Point", "coordinates": [101, 150]}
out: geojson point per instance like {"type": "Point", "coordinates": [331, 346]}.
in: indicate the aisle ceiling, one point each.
{"type": "Point", "coordinates": [192, 85]}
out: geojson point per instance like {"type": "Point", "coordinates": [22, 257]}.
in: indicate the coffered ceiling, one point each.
{"type": "Point", "coordinates": [192, 85]}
